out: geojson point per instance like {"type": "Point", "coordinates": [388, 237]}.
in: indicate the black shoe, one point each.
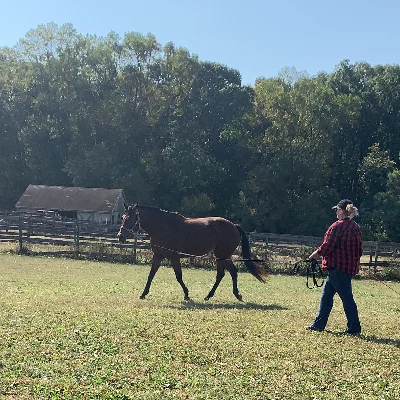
{"type": "Point", "coordinates": [313, 328]}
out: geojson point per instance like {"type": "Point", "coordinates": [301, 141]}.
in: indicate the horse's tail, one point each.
{"type": "Point", "coordinates": [255, 269]}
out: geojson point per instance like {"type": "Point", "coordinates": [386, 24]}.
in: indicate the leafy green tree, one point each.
{"type": "Point", "coordinates": [193, 156]}
{"type": "Point", "coordinates": [294, 174]}
{"type": "Point", "coordinates": [385, 109]}
{"type": "Point", "coordinates": [374, 170]}
{"type": "Point", "coordinates": [386, 213]}
{"type": "Point", "coordinates": [186, 135]}
{"type": "Point", "coordinates": [14, 84]}
{"type": "Point", "coordinates": [373, 177]}
{"type": "Point", "coordinates": [46, 130]}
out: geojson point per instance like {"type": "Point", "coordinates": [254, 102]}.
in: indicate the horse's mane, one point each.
{"type": "Point", "coordinates": [172, 213]}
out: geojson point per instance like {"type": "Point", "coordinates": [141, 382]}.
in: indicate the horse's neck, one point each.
{"type": "Point", "coordinates": [154, 221]}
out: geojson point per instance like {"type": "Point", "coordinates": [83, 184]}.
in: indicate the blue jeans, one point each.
{"type": "Point", "coordinates": [338, 282]}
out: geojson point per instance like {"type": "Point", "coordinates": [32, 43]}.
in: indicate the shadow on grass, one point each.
{"type": "Point", "coordinates": [375, 339]}
{"type": "Point", "coordinates": [370, 338]}
{"type": "Point", "coordinates": [193, 305]}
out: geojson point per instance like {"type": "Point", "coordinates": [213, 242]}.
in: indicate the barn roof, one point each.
{"type": "Point", "coordinates": [63, 198]}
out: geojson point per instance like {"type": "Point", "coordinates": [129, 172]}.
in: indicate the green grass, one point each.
{"type": "Point", "coordinates": [77, 330]}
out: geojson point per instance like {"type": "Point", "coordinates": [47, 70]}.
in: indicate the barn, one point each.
{"type": "Point", "coordinates": [85, 204]}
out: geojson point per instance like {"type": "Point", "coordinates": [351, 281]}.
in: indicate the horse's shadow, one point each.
{"type": "Point", "coordinates": [194, 305]}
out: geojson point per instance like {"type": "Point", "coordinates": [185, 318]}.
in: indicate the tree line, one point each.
{"type": "Point", "coordinates": [184, 134]}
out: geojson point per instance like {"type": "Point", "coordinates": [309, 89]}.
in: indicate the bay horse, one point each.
{"type": "Point", "coordinates": [173, 236]}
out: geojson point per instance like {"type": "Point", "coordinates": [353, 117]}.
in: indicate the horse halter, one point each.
{"type": "Point", "coordinates": [132, 230]}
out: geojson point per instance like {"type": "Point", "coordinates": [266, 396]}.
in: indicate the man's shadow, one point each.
{"type": "Point", "coordinates": [370, 338]}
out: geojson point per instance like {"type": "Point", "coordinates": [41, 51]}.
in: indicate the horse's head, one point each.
{"type": "Point", "coordinates": [130, 223]}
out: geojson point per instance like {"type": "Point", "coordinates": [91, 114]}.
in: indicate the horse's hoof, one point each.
{"type": "Point", "coordinates": [207, 298]}
{"type": "Point", "coordinates": [239, 297]}
{"type": "Point", "coordinates": [142, 297]}
{"type": "Point", "coordinates": [187, 298]}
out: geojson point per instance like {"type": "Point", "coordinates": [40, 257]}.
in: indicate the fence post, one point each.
{"type": "Point", "coordinates": [53, 223]}
{"type": "Point", "coordinates": [370, 258]}
{"type": "Point", "coordinates": [20, 232]}
{"type": "Point", "coordinates": [29, 231]}
{"type": "Point", "coordinates": [76, 237]}
{"type": "Point", "coordinates": [376, 257]}
{"type": "Point", "coordinates": [134, 249]}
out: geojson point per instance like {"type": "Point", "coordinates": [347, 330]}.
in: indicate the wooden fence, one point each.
{"type": "Point", "coordinates": [378, 253]}
{"type": "Point", "coordinates": [80, 237]}
{"type": "Point", "coordinates": [74, 236]}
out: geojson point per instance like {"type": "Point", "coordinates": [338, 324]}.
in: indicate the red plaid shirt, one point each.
{"type": "Point", "coordinates": [342, 247]}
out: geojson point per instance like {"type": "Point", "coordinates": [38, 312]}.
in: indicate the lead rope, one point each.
{"type": "Point", "coordinates": [312, 269]}
{"type": "Point", "coordinates": [383, 283]}
{"type": "Point", "coordinates": [136, 233]}
{"type": "Point", "coordinates": [205, 255]}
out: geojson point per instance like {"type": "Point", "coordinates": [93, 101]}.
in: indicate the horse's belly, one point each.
{"type": "Point", "coordinates": [209, 234]}
{"type": "Point", "coordinates": [198, 245]}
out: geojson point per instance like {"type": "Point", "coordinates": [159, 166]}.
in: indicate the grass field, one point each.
{"type": "Point", "coordinates": [77, 330]}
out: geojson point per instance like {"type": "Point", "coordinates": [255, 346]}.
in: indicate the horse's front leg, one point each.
{"type": "Point", "coordinates": [154, 268]}
{"type": "Point", "coordinates": [176, 264]}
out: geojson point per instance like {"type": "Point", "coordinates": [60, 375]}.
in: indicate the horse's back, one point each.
{"type": "Point", "coordinates": [211, 224]}
{"type": "Point", "coordinates": [204, 235]}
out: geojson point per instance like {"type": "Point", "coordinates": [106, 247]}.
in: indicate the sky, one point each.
{"type": "Point", "coordinates": [259, 38]}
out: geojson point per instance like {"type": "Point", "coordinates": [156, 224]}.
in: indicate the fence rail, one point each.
{"type": "Point", "coordinates": [81, 236]}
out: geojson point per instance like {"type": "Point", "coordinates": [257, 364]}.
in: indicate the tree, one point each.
{"type": "Point", "coordinates": [374, 169]}
{"type": "Point", "coordinates": [294, 173]}
{"type": "Point", "coordinates": [386, 213]}
{"type": "Point", "coordinates": [14, 173]}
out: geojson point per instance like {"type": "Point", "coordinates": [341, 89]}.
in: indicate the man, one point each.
{"type": "Point", "coordinates": [341, 250]}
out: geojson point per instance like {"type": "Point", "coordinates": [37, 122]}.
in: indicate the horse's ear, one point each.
{"type": "Point", "coordinates": [131, 208]}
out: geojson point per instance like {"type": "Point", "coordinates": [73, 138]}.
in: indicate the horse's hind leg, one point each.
{"type": "Point", "coordinates": [176, 264]}
{"type": "Point", "coordinates": [234, 274]}
{"type": "Point", "coordinates": [154, 268]}
{"type": "Point", "coordinates": [220, 275]}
